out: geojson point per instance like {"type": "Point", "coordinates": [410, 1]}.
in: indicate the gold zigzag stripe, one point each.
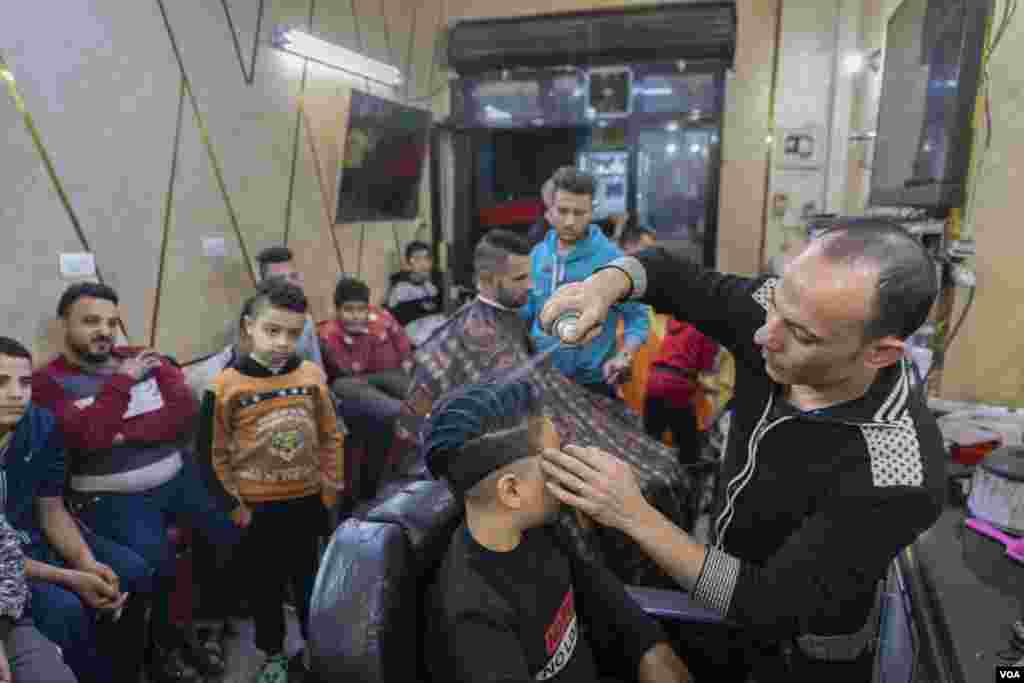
{"type": "Point", "coordinates": [323, 186]}
{"type": "Point", "coordinates": [204, 134]}
{"type": "Point", "coordinates": [12, 88]}
{"type": "Point", "coordinates": [168, 210]}
{"type": "Point", "coordinates": [248, 76]}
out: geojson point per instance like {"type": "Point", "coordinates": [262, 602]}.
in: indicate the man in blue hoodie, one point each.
{"type": "Point", "coordinates": [571, 252]}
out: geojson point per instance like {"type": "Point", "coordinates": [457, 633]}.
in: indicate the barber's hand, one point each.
{"type": "Point", "coordinates": [137, 366]}
{"type": "Point", "coordinates": [95, 591]}
{"type": "Point", "coordinates": [616, 369]}
{"type": "Point", "coordinates": [596, 483]}
{"type": "Point", "coordinates": [592, 298]}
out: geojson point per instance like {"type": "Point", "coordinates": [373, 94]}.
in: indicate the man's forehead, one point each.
{"type": "Point", "coordinates": [563, 198]}
{"type": "Point", "coordinates": [89, 305]}
{"type": "Point", "coordinates": [15, 367]}
{"type": "Point", "coordinates": [826, 296]}
{"type": "Point", "coordinates": [517, 264]}
{"type": "Point", "coordinates": [282, 268]}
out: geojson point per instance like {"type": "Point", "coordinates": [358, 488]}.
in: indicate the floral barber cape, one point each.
{"type": "Point", "coordinates": [480, 339]}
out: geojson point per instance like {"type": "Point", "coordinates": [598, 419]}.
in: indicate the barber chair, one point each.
{"type": "Point", "coordinates": [370, 617]}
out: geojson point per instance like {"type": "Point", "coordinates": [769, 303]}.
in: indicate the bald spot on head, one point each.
{"type": "Point", "coordinates": [832, 297]}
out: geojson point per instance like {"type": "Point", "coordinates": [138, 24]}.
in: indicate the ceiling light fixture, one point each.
{"type": "Point", "coordinates": [310, 47]}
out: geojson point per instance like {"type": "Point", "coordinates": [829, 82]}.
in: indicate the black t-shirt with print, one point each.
{"type": "Point", "coordinates": [535, 613]}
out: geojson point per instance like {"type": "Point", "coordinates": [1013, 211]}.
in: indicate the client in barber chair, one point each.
{"type": "Point", "coordinates": [367, 356]}
{"type": "Point", "coordinates": [515, 604]}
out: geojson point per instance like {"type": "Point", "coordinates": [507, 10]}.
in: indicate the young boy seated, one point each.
{"type": "Point", "coordinates": [413, 299]}
{"type": "Point", "coordinates": [515, 606]}
{"type": "Point", "coordinates": [269, 430]}
{"type": "Point", "coordinates": [367, 356]}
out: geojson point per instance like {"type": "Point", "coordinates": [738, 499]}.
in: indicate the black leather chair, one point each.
{"type": "Point", "coordinates": [370, 613]}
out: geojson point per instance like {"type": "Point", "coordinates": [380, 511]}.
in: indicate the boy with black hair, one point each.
{"type": "Point", "coordinates": [278, 263]}
{"type": "Point", "coordinates": [367, 355]}
{"type": "Point", "coordinates": [268, 429]}
{"type": "Point", "coordinates": [515, 605]}
{"type": "Point", "coordinates": [413, 299]}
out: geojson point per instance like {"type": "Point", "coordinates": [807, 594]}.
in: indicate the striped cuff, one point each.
{"type": "Point", "coordinates": [635, 271]}
{"type": "Point", "coordinates": [717, 580]}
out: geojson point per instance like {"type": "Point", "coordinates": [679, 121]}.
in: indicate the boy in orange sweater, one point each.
{"type": "Point", "coordinates": [274, 443]}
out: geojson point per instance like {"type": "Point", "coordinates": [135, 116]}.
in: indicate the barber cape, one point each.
{"type": "Point", "coordinates": [480, 339]}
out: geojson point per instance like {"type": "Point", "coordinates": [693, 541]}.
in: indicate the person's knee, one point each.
{"type": "Point", "coordinates": [35, 659]}
{"type": "Point", "coordinates": [61, 615]}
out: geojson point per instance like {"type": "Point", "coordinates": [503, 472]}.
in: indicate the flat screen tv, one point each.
{"type": "Point", "coordinates": [385, 146]}
{"type": "Point", "coordinates": [933, 52]}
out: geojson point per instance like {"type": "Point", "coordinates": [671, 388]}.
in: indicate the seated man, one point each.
{"type": "Point", "coordinates": [77, 579]}
{"type": "Point", "coordinates": [25, 655]}
{"type": "Point", "coordinates": [126, 414]}
{"type": "Point", "coordinates": [489, 334]}
{"type": "Point", "coordinates": [414, 300]}
{"type": "Point", "coordinates": [367, 356]}
{"type": "Point", "coordinates": [516, 605]}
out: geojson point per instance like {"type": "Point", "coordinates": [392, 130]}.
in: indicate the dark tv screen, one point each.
{"type": "Point", "coordinates": [933, 54]}
{"type": "Point", "coordinates": [385, 146]}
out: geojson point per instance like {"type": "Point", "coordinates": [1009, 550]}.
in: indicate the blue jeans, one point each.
{"type": "Point", "coordinates": [140, 521]}
{"type": "Point", "coordinates": [61, 615]}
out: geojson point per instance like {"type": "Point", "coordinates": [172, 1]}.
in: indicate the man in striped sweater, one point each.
{"type": "Point", "coordinates": [126, 414]}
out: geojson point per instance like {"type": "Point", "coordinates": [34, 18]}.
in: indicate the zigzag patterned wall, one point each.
{"type": "Point", "coordinates": [195, 91]}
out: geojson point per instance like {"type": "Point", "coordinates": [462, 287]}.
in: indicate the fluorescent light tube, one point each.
{"type": "Point", "coordinates": [305, 45]}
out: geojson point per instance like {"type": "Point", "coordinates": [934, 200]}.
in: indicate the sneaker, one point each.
{"type": "Point", "coordinates": [205, 651]}
{"type": "Point", "coordinates": [297, 667]}
{"type": "Point", "coordinates": [168, 665]}
{"type": "Point", "coordinates": [275, 670]}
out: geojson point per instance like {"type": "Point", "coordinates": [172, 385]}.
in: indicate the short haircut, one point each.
{"type": "Point", "coordinates": [632, 234]}
{"type": "Point", "coordinates": [480, 429]}
{"type": "Point", "coordinates": [907, 279]}
{"type": "Point", "coordinates": [273, 255]}
{"type": "Point", "coordinates": [351, 289]}
{"type": "Point", "coordinates": [571, 180]}
{"type": "Point", "coordinates": [275, 294]}
{"type": "Point", "coordinates": [493, 249]}
{"type": "Point", "coordinates": [547, 192]}
{"type": "Point", "coordinates": [81, 290]}
{"type": "Point", "coordinates": [415, 247]}
{"type": "Point", "coordinates": [12, 348]}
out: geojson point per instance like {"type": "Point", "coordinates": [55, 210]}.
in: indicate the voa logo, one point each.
{"type": "Point", "coordinates": [1014, 674]}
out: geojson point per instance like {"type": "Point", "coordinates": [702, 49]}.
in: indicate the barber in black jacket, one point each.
{"type": "Point", "coordinates": [833, 463]}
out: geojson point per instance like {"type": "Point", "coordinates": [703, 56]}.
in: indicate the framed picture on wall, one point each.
{"type": "Point", "coordinates": [385, 146]}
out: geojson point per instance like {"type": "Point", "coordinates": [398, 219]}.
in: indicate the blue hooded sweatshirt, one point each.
{"type": "Point", "coordinates": [549, 271]}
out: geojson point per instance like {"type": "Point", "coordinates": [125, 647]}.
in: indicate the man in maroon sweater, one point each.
{"type": "Point", "coordinates": [126, 414]}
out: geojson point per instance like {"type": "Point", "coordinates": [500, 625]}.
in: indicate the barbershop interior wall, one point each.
{"type": "Point", "coordinates": [105, 90]}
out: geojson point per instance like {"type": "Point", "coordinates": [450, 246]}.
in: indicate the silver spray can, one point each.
{"type": "Point", "coordinates": [565, 325]}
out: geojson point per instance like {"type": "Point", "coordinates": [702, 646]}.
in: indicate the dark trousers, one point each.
{"type": "Point", "coordinates": [95, 649]}
{"type": "Point", "coordinates": [660, 415]}
{"type": "Point", "coordinates": [369, 407]}
{"type": "Point", "coordinates": [140, 520]}
{"type": "Point", "coordinates": [280, 549]}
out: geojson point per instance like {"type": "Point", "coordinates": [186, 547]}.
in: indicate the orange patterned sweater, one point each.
{"type": "Point", "coordinates": [275, 437]}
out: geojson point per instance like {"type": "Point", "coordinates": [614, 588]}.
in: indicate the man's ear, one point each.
{"type": "Point", "coordinates": [884, 352]}
{"type": "Point", "coordinates": [509, 492]}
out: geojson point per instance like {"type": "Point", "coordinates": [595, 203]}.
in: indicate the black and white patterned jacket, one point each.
{"type": "Point", "coordinates": [13, 587]}
{"type": "Point", "coordinates": [811, 507]}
